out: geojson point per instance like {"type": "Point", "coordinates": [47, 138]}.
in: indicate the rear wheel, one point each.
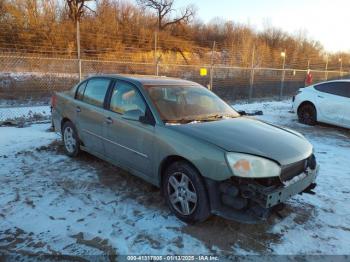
{"type": "Point", "coordinates": [307, 114]}
{"type": "Point", "coordinates": [185, 193]}
{"type": "Point", "coordinates": [70, 140]}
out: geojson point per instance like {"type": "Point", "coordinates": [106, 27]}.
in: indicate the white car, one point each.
{"type": "Point", "coordinates": [327, 102]}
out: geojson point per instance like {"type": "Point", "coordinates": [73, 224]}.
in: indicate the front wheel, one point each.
{"type": "Point", "coordinates": [307, 114]}
{"type": "Point", "coordinates": [185, 193]}
{"type": "Point", "coordinates": [70, 140]}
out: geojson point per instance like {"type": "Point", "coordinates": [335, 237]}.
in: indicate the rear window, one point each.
{"type": "Point", "coordinates": [335, 88]}
{"type": "Point", "coordinates": [95, 91]}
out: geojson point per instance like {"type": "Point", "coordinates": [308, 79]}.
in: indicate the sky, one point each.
{"type": "Point", "coordinates": [327, 21]}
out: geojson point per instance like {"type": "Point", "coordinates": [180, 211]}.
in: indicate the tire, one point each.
{"type": "Point", "coordinates": [307, 114]}
{"type": "Point", "coordinates": [70, 140]}
{"type": "Point", "coordinates": [183, 184]}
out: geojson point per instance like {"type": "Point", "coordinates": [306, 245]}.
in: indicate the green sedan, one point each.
{"type": "Point", "coordinates": [206, 158]}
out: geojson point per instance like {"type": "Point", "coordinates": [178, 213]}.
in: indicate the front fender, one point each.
{"type": "Point", "coordinates": [207, 158]}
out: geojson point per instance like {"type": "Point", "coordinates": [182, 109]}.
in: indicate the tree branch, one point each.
{"type": "Point", "coordinates": [164, 8]}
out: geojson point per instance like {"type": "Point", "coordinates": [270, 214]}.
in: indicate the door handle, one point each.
{"type": "Point", "coordinates": [109, 120]}
{"type": "Point", "coordinates": [320, 96]}
{"type": "Point", "coordinates": [78, 109]}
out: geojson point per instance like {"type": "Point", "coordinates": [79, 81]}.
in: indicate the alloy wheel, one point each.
{"type": "Point", "coordinates": [69, 140]}
{"type": "Point", "coordinates": [182, 193]}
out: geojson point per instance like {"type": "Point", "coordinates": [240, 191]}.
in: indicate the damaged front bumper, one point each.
{"type": "Point", "coordinates": [251, 202]}
{"type": "Point", "coordinates": [268, 198]}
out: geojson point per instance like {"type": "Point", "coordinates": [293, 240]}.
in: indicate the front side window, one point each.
{"type": "Point", "coordinates": [125, 97]}
{"type": "Point", "coordinates": [183, 104]}
{"type": "Point", "coordinates": [95, 91]}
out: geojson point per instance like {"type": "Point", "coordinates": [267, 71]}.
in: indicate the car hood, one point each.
{"type": "Point", "coordinates": [251, 136]}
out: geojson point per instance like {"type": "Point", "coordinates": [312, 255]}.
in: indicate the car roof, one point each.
{"type": "Point", "coordinates": [149, 80]}
{"type": "Point", "coordinates": [332, 81]}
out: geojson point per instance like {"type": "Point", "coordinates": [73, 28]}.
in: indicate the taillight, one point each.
{"type": "Point", "coordinates": [53, 101]}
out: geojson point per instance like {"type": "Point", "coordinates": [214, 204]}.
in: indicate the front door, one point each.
{"type": "Point", "coordinates": [91, 114]}
{"type": "Point", "coordinates": [128, 141]}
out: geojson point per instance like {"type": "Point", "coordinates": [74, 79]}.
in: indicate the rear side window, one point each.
{"type": "Point", "coordinates": [95, 91]}
{"type": "Point", "coordinates": [335, 88]}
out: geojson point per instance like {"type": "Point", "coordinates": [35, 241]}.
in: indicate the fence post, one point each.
{"type": "Point", "coordinates": [252, 75]}
{"type": "Point", "coordinates": [80, 70]}
{"type": "Point", "coordinates": [78, 49]}
{"type": "Point", "coordinates": [212, 67]}
{"type": "Point", "coordinates": [341, 68]}
{"type": "Point", "coordinates": [232, 54]}
{"type": "Point", "coordinates": [326, 72]}
{"type": "Point", "coordinates": [156, 60]}
{"type": "Point", "coordinates": [283, 55]}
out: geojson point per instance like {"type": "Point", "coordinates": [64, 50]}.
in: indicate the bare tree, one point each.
{"type": "Point", "coordinates": [164, 9]}
{"type": "Point", "coordinates": [77, 8]}
{"type": "Point", "coordinates": [2, 7]}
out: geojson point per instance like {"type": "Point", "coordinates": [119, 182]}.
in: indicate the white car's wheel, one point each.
{"type": "Point", "coordinates": [307, 114]}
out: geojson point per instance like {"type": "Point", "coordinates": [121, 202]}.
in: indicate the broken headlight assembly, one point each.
{"type": "Point", "coordinates": [249, 166]}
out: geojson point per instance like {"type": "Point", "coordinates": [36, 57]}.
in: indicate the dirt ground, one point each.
{"type": "Point", "coordinates": [52, 204]}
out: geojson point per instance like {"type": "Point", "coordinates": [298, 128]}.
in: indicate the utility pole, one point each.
{"type": "Point", "coordinates": [76, 11]}
{"type": "Point", "coordinates": [212, 67]}
{"type": "Point", "coordinates": [283, 55]}
{"type": "Point", "coordinates": [252, 75]}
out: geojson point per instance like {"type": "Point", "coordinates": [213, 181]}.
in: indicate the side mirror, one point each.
{"type": "Point", "coordinates": [138, 115]}
{"type": "Point", "coordinates": [133, 115]}
{"type": "Point", "coordinates": [145, 120]}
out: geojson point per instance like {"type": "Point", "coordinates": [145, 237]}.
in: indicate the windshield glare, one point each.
{"type": "Point", "coordinates": [188, 103]}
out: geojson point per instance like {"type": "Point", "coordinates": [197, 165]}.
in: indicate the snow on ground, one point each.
{"type": "Point", "coordinates": [26, 112]}
{"type": "Point", "coordinates": [21, 76]}
{"type": "Point", "coordinates": [52, 204]}
{"type": "Point", "coordinates": [13, 139]}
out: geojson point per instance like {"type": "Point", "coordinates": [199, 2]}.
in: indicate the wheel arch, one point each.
{"type": "Point", "coordinates": [63, 121]}
{"type": "Point", "coordinates": [167, 161]}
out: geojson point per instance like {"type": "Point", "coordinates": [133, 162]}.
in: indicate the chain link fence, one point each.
{"type": "Point", "coordinates": [29, 81]}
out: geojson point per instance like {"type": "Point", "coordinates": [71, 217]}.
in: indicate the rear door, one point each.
{"type": "Point", "coordinates": [90, 112]}
{"type": "Point", "coordinates": [331, 102]}
{"type": "Point", "coordinates": [129, 142]}
{"type": "Point", "coordinates": [346, 95]}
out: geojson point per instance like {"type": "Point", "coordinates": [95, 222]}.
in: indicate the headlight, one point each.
{"type": "Point", "coordinates": [249, 166]}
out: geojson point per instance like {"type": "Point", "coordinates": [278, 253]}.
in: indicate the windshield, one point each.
{"type": "Point", "coordinates": [184, 104]}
